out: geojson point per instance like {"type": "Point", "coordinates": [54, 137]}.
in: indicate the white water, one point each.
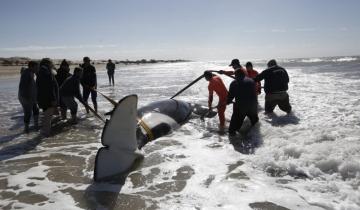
{"type": "Point", "coordinates": [308, 160]}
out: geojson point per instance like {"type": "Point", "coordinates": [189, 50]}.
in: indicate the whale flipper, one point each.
{"type": "Point", "coordinates": [119, 140]}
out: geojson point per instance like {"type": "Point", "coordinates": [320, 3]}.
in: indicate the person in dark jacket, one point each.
{"type": "Point", "coordinates": [244, 92]}
{"type": "Point", "coordinates": [47, 93]}
{"type": "Point", "coordinates": [62, 74]}
{"type": "Point", "coordinates": [70, 90]}
{"type": "Point", "coordinates": [27, 95]}
{"type": "Point", "coordinates": [276, 86]}
{"type": "Point", "coordinates": [89, 82]}
{"type": "Point", "coordinates": [110, 66]}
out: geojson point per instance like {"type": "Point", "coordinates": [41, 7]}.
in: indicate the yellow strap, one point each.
{"type": "Point", "coordinates": [148, 131]}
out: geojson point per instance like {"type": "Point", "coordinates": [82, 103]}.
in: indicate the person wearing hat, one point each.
{"type": "Point", "coordinates": [89, 82]}
{"type": "Point", "coordinates": [235, 64]}
{"type": "Point", "coordinates": [110, 66]}
{"type": "Point", "coordinates": [276, 86]}
{"type": "Point", "coordinates": [243, 90]}
{"type": "Point", "coordinates": [217, 85]}
{"type": "Point", "coordinates": [47, 93]}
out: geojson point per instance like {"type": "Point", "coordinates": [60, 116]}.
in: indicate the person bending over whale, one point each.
{"type": "Point", "coordinates": [217, 85]}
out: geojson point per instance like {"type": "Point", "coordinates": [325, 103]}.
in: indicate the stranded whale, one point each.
{"type": "Point", "coordinates": [129, 129]}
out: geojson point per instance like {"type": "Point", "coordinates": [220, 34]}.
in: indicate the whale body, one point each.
{"type": "Point", "coordinates": [129, 129]}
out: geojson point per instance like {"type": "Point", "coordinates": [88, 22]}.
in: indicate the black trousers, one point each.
{"type": "Point", "coordinates": [86, 93]}
{"type": "Point", "coordinates": [29, 108]}
{"type": "Point", "coordinates": [277, 99]}
{"type": "Point", "coordinates": [111, 78]}
{"type": "Point", "coordinates": [239, 114]}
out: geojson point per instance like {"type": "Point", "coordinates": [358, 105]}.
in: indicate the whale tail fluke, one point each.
{"type": "Point", "coordinates": [119, 140]}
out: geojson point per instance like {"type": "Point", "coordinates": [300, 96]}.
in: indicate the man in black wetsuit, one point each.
{"type": "Point", "coordinates": [89, 82]}
{"type": "Point", "coordinates": [276, 86]}
{"type": "Point", "coordinates": [244, 92]}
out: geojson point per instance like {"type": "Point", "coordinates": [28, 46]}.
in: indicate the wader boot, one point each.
{"type": "Point", "coordinates": [63, 114]}
{"type": "Point", "coordinates": [73, 119]}
{"type": "Point", "coordinates": [26, 129]}
{"type": "Point", "coordinates": [36, 122]}
{"type": "Point", "coordinates": [95, 107]}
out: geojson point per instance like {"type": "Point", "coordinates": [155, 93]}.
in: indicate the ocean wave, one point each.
{"type": "Point", "coordinates": [312, 60]}
{"type": "Point", "coordinates": [345, 59]}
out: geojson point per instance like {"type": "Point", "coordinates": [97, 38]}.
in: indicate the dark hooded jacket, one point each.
{"type": "Point", "coordinates": [276, 79]}
{"type": "Point", "coordinates": [243, 90]}
{"type": "Point", "coordinates": [89, 76]}
{"type": "Point", "coordinates": [62, 75]}
{"type": "Point", "coordinates": [71, 88]}
{"type": "Point", "coordinates": [47, 88]}
{"type": "Point", "coordinates": [27, 86]}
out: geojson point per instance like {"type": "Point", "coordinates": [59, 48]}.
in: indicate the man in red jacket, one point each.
{"type": "Point", "coordinates": [235, 64]}
{"type": "Point", "coordinates": [252, 73]}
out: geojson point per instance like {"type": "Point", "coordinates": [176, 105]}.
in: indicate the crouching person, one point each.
{"type": "Point", "coordinates": [70, 90]}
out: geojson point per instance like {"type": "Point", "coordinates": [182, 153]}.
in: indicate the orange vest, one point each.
{"type": "Point", "coordinates": [252, 74]}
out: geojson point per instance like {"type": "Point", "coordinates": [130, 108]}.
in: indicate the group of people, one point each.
{"type": "Point", "coordinates": [245, 88]}
{"type": "Point", "coordinates": [56, 90]}
{"type": "Point", "coordinates": [41, 86]}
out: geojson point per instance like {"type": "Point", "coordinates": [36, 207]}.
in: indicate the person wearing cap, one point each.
{"type": "Point", "coordinates": [89, 82]}
{"type": "Point", "coordinates": [217, 85]}
{"type": "Point", "coordinates": [276, 86]}
{"type": "Point", "coordinates": [243, 90]}
{"type": "Point", "coordinates": [27, 95]}
{"type": "Point", "coordinates": [62, 74]}
{"type": "Point", "coordinates": [235, 64]}
{"type": "Point", "coordinates": [69, 90]}
{"type": "Point", "coordinates": [110, 67]}
{"type": "Point", "coordinates": [252, 73]}
{"type": "Point", "coordinates": [47, 93]}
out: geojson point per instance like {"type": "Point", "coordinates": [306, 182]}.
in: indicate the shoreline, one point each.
{"type": "Point", "coordinates": [13, 70]}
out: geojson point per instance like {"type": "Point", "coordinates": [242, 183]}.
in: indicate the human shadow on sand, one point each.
{"type": "Point", "coordinates": [105, 194]}
{"type": "Point", "coordinates": [248, 139]}
{"type": "Point", "coordinates": [19, 148]}
{"type": "Point", "coordinates": [25, 145]}
{"type": "Point", "coordinates": [282, 120]}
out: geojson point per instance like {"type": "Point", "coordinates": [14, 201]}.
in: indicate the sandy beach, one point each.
{"type": "Point", "coordinates": [6, 71]}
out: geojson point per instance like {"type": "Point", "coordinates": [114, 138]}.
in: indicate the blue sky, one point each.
{"type": "Point", "coordinates": [171, 29]}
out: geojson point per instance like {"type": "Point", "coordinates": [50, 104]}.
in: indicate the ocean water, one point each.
{"type": "Point", "coordinates": [307, 160]}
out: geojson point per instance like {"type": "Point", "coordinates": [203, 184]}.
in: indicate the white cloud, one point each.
{"type": "Point", "coordinates": [305, 29]}
{"type": "Point", "coordinates": [46, 48]}
{"type": "Point", "coordinates": [278, 30]}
